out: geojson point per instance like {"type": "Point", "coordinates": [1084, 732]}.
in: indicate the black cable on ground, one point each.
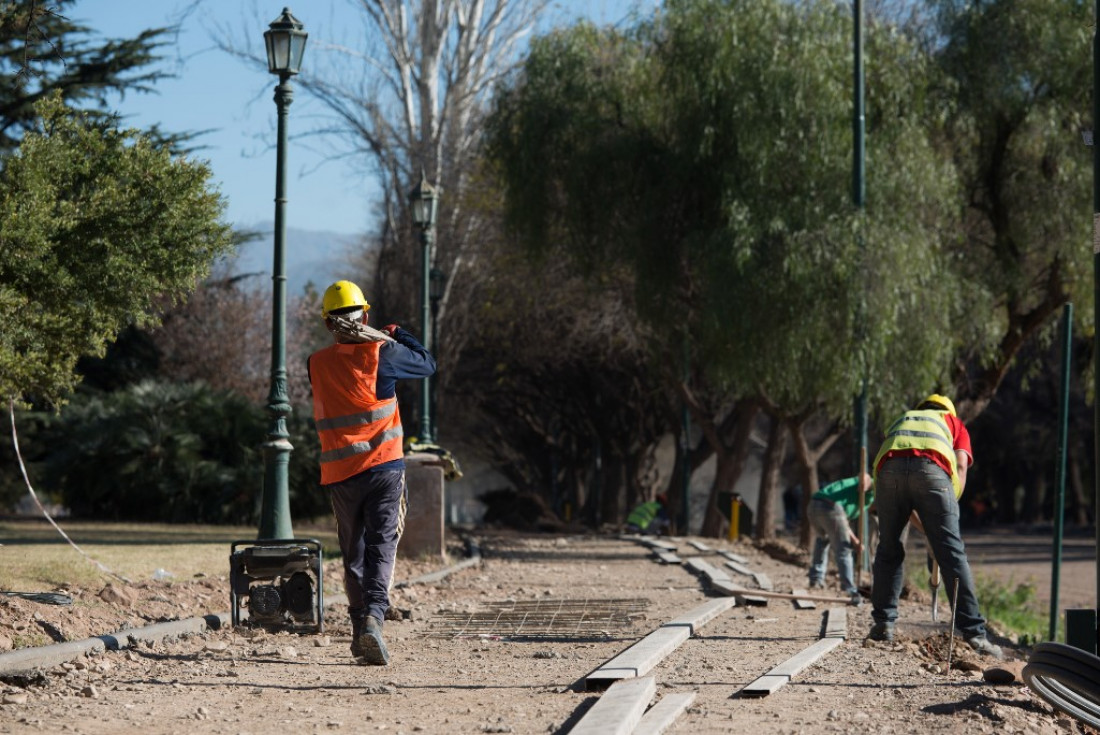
{"type": "Point", "coordinates": [1067, 678]}
{"type": "Point", "coordinates": [47, 598]}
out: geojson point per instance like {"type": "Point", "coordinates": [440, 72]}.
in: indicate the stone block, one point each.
{"type": "Point", "coordinates": [424, 520]}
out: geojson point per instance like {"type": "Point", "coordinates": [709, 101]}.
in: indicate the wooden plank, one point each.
{"type": "Point", "coordinates": [734, 557]}
{"type": "Point", "coordinates": [800, 603]}
{"type": "Point", "coordinates": [667, 557]}
{"type": "Point", "coordinates": [742, 595]}
{"type": "Point", "coordinates": [793, 666]}
{"type": "Point", "coordinates": [698, 617]}
{"type": "Point", "coordinates": [706, 569]}
{"type": "Point", "coordinates": [660, 716]}
{"type": "Point", "coordinates": [655, 543]}
{"type": "Point", "coordinates": [836, 623]}
{"type": "Point", "coordinates": [699, 546]}
{"type": "Point", "coordinates": [763, 581]}
{"type": "Point", "coordinates": [639, 658]}
{"type": "Point", "coordinates": [784, 672]}
{"type": "Point", "coordinates": [763, 686]}
{"type": "Point", "coordinates": [619, 710]}
{"type": "Point", "coordinates": [729, 588]}
{"type": "Point", "coordinates": [739, 568]}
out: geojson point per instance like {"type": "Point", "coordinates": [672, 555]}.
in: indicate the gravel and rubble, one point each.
{"type": "Point", "coordinates": [248, 680]}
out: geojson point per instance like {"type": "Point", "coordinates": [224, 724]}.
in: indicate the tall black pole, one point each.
{"type": "Point", "coordinates": [1060, 469]}
{"type": "Point", "coordinates": [1096, 295]}
{"type": "Point", "coordinates": [426, 236]}
{"type": "Point", "coordinates": [275, 508]}
{"type": "Point", "coordinates": [859, 200]}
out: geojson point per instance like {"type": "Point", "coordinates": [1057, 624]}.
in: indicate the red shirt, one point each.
{"type": "Point", "coordinates": [960, 441]}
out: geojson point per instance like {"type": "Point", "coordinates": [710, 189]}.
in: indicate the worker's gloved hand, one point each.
{"type": "Point", "coordinates": [390, 329]}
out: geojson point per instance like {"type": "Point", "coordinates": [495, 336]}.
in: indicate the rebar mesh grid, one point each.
{"type": "Point", "coordinates": [544, 619]}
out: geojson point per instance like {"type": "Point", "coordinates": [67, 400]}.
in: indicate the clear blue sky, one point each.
{"type": "Point", "coordinates": [216, 92]}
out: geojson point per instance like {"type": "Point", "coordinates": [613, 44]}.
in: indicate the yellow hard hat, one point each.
{"type": "Point", "coordinates": [943, 401]}
{"type": "Point", "coordinates": [341, 295]}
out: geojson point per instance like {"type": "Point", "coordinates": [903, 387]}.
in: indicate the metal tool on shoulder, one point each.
{"type": "Point", "coordinates": [357, 331]}
{"type": "Point", "coordinates": [934, 583]}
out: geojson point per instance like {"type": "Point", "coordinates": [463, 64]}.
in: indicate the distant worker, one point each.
{"type": "Point", "coordinates": [920, 472]}
{"type": "Point", "coordinates": [651, 517]}
{"type": "Point", "coordinates": [792, 507]}
{"type": "Point", "coordinates": [833, 510]}
{"type": "Point", "coordinates": [362, 462]}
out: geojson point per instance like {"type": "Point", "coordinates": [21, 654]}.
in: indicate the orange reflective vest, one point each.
{"type": "Point", "coordinates": [357, 429]}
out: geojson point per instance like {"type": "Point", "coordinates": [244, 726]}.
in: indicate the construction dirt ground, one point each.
{"type": "Point", "coordinates": [458, 669]}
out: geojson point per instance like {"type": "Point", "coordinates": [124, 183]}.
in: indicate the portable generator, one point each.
{"type": "Point", "coordinates": [278, 581]}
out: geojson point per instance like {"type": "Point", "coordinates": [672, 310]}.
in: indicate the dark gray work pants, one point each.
{"type": "Point", "coordinates": [370, 517]}
{"type": "Point", "coordinates": [904, 485]}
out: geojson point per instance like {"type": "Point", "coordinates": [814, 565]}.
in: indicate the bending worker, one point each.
{"type": "Point", "coordinates": [362, 463]}
{"type": "Point", "coordinates": [832, 509]}
{"type": "Point", "coordinates": [920, 471]}
{"type": "Point", "coordinates": [649, 517]}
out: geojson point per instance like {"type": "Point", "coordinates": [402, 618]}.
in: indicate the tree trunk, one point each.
{"type": "Point", "coordinates": [1080, 502]}
{"type": "Point", "coordinates": [808, 459]}
{"type": "Point", "coordinates": [730, 465]}
{"type": "Point", "coordinates": [769, 480]}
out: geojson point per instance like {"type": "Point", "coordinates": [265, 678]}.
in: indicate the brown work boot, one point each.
{"type": "Point", "coordinates": [356, 632]}
{"type": "Point", "coordinates": [368, 646]}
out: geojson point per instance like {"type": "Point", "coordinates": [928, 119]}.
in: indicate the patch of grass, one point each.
{"type": "Point", "coordinates": [35, 558]}
{"type": "Point", "coordinates": [1013, 609]}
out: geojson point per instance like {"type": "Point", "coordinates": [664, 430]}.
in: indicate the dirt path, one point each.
{"type": "Point", "coordinates": [244, 681]}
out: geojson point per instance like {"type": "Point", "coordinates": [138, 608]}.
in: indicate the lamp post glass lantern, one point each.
{"type": "Point", "coordinates": [422, 204]}
{"type": "Point", "coordinates": [285, 41]}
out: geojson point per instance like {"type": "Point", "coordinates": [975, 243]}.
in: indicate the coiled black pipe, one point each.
{"type": "Point", "coordinates": [1068, 678]}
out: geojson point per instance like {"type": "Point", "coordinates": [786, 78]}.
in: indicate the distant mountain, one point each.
{"type": "Point", "coordinates": [311, 255]}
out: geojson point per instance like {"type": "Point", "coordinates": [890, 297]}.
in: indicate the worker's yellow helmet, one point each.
{"type": "Point", "coordinates": [943, 401]}
{"type": "Point", "coordinates": [341, 295]}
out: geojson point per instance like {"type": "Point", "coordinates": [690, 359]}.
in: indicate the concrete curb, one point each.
{"type": "Point", "coordinates": [25, 660]}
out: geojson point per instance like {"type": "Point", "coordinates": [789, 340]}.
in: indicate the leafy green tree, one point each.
{"type": "Point", "coordinates": [708, 153]}
{"type": "Point", "coordinates": [99, 229]}
{"type": "Point", "coordinates": [1016, 90]}
{"type": "Point", "coordinates": [168, 452]}
{"type": "Point", "coordinates": [44, 52]}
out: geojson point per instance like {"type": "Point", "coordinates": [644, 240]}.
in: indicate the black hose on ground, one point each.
{"type": "Point", "coordinates": [1067, 678]}
{"type": "Point", "coordinates": [48, 598]}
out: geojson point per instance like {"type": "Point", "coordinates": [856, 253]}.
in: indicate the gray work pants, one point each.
{"type": "Point", "coordinates": [370, 517]}
{"type": "Point", "coordinates": [904, 485]}
{"type": "Point", "coordinates": [830, 524]}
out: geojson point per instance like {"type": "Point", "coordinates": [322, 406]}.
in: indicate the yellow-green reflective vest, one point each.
{"type": "Point", "coordinates": [643, 515]}
{"type": "Point", "coordinates": [926, 431]}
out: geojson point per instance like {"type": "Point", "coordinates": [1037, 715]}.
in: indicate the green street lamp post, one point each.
{"type": "Point", "coordinates": [437, 281]}
{"type": "Point", "coordinates": [285, 41]}
{"type": "Point", "coordinates": [423, 201]}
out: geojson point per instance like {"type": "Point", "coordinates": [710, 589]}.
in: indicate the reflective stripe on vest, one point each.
{"type": "Point", "coordinates": [357, 430]}
{"type": "Point", "coordinates": [926, 431]}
